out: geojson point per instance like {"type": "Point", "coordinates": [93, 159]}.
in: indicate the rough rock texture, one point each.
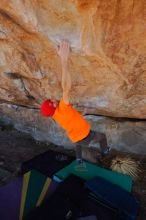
{"type": "Point", "coordinates": [107, 63]}
{"type": "Point", "coordinates": [122, 135]}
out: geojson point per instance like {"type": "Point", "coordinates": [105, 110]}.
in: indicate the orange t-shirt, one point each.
{"type": "Point", "coordinates": [72, 121]}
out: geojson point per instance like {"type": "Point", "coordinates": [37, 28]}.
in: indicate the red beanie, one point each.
{"type": "Point", "coordinates": [47, 108]}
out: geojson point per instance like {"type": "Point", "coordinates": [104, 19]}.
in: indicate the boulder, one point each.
{"type": "Point", "coordinates": [108, 54]}
{"type": "Point", "coordinates": [122, 135]}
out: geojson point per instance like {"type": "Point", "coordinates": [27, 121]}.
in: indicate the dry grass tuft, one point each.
{"type": "Point", "coordinates": [125, 165]}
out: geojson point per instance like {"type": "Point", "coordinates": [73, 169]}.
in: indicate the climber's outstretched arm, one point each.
{"type": "Point", "coordinates": [63, 52]}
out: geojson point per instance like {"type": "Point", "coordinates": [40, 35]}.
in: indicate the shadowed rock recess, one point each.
{"type": "Point", "coordinates": [107, 65]}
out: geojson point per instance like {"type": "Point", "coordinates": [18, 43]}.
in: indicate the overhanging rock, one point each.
{"type": "Point", "coordinates": [123, 135]}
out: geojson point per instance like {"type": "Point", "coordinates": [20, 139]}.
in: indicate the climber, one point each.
{"type": "Point", "coordinates": [77, 128]}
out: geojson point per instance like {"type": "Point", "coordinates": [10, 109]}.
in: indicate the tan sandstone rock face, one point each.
{"type": "Point", "coordinates": [108, 53]}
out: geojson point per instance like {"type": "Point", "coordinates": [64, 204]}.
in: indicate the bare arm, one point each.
{"type": "Point", "coordinates": [66, 83]}
{"type": "Point", "coordinates": [63, 52]}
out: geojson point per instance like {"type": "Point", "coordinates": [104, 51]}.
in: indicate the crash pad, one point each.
{"type": "Point", "coordinates": [91, 170]}
{"type": "Point", "coordinates": [35, 188]}
{"type": "Point", "coordinates": [70, 201]}
{"type": "Point", "coordinates": [47, 163]}
{"type": "Point", "coordinates": [114, 196]}
{"type": "Point", "coordinates": [10, 197]}
{"type": "Point", "coordinates": [24, 193]}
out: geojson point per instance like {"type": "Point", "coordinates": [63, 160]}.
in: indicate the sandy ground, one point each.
{"type": "Point", "coordinates": [16, 147]}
